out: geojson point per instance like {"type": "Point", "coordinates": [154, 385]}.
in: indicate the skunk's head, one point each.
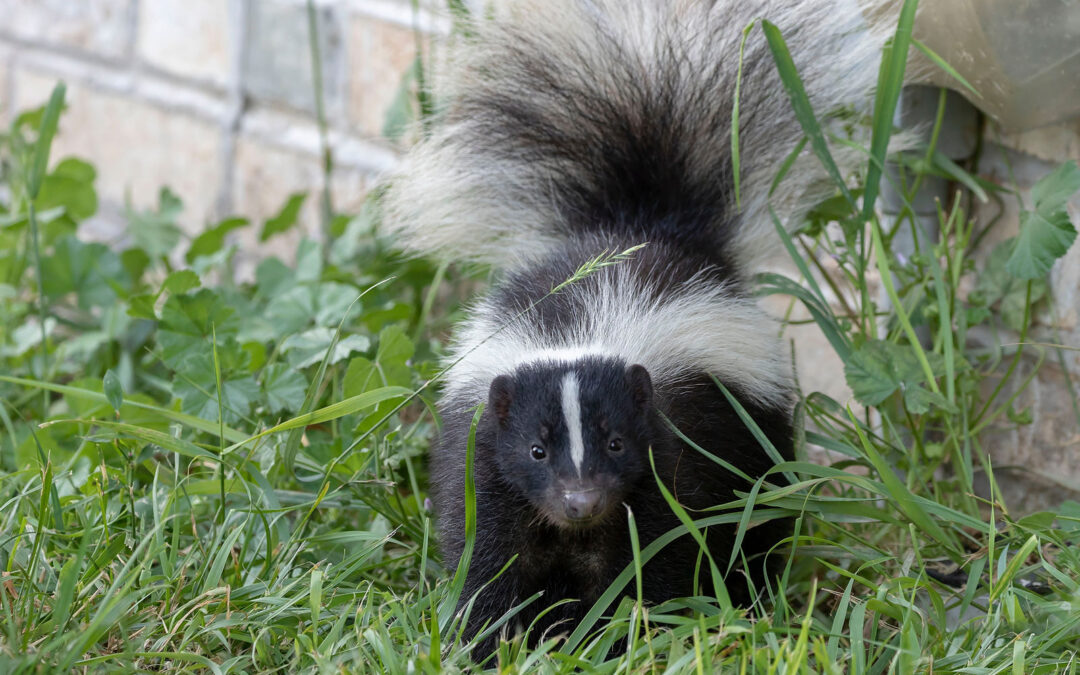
{"type": "Point", "coordinates": [573, 438]}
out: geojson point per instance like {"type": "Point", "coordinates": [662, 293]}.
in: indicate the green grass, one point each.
{"type": "Point", "coordinates": [217, 477]}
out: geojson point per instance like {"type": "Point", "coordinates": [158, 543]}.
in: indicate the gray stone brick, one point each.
{"type": "Point", "coordinates": [189, 38]}
{"type": "Point", "coordinates": [380, 52]}
{"type": "Point", "coordinates": [277, 59]}
{"type": "Point", "coordinates": [136, 147]}
{"type": "Point", "coordinates": [99, 26]}
{"type": "Point", "coordinates": [1041, 452]}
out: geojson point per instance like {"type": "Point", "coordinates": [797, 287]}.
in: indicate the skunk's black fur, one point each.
{"type": "Point", "coordinates": [574, 128]}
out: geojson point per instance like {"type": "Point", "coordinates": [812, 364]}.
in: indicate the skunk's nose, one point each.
{"type": "Point", "coordinates": [583, 505]}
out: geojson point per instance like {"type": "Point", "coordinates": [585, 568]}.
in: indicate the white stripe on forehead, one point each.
{"type": "Point", "coordinates": [571, 407]}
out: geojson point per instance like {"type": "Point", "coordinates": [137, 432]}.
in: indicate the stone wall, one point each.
{"type": "Point", "coordinates": [213, 98]}
{"type": "Point", "coordinates": [1038, 461]}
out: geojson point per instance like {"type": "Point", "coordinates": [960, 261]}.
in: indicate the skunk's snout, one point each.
{"type": "Point", "coordinates": [583, 505]}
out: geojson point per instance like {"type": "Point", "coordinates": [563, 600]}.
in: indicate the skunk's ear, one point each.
{"type": "Point", "coordinates": [640, 384]}
{"type": "Point", "coordinates": [500, 396]}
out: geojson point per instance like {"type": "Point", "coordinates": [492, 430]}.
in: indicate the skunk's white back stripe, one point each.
{"type": "Point", "coordinates": [571, 407]}
{"type": "Point", "coordinates": [696, 327]}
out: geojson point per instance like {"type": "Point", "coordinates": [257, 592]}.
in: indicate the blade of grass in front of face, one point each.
{"type": "Point", "coordinates": [727, 466]}
{"type": "Point", "coordinates": [719, 588]}
{"type": "Point", "coordinates": [753, 427]}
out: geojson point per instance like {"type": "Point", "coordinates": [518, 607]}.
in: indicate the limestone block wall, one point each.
{"type": "Point", "coordinates": [1039, 460]}
{"type": "Point", "coordinates": [213, 98]}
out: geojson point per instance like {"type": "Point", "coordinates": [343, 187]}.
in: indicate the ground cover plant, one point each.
{"type": "Point", "coordinates": [203, 475]}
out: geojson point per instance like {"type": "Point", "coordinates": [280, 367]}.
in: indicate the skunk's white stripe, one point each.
{"type": "Point", "coordinates": [571, 407]}
{"type": "Point", "coordinates": [694, 327]}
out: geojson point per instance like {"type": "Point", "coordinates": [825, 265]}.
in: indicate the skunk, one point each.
{"type": "Point", "coordinates": [572, 129]}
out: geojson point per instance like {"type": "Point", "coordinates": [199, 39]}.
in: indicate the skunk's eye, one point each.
{"type": "Point", "coordinates": [538, 453]}
{"type": "Point", "coordinates": [615, 445]}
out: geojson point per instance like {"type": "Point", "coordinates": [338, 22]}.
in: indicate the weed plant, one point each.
{"type": "Point", "coordinates": [204, 475]}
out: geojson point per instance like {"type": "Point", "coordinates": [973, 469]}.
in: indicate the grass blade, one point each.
{"type": "Point", "coordinates": [890, 82]}
{"type": "Point", "coordinates": [800, 102]}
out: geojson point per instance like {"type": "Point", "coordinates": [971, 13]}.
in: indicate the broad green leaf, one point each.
{"type": "Point", "coordinates": [70, 186]}
{"type": "Point", "coordinates": [135, 261]}
{"type": "Point", "coordinates": [83, 269]}
{"type": "Point", "coordinates": [273, 277]}
{"type": "Point", "coordinates": [188, 320]}
{"type": "Point", "coordinates": [213, 239]}
{"type": "Point", "coordinates": [309, 261]}
{"type": "Point", "coordinates": [1045, 233]}
{"type": "Point", "coordinates": [332, 300]}
{"type": "Point", "coordinates": [360, 376]}
{"type": "Point", "coordinates": [395, 347]}
{"type": "Point", "coordinates": [285, 218]}
{"type": "Point", "coordinates": [919, 399]}
{"type": "Point", "coordinates": [156, 231]}
{"type": "Point", "coordinates": [877, 369]}
{"type": "Point", "coordinates": [311, 347]}
{"type": "Point", "coordinates": [283, 388]}
{"type": "Point", "coordinates": [199, 397]}
{"type": "Point", "coordinates": [1000, 288]}
{"type": "Point", "coordinates": [181, 281]}
{"type": "Point", "coordinates": [869, 374]}
{"type": "Point", "coordinates": [114, 392]}
{"type": "Point", "coordinates": [142, 306]}
{"type": "Point", "coordinates": [302, 306]}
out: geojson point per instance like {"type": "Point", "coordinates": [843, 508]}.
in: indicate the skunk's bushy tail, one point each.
{"type": "Point", "coordinates": [560, 116]}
